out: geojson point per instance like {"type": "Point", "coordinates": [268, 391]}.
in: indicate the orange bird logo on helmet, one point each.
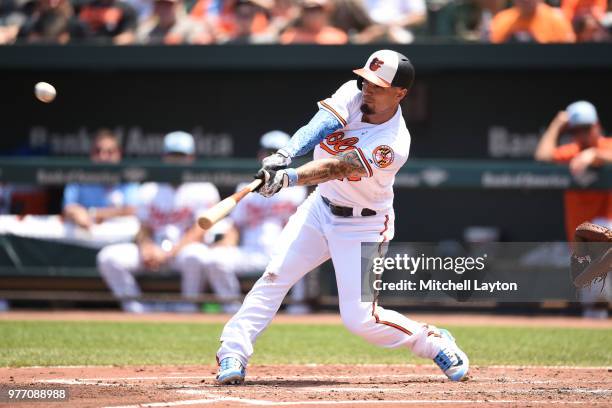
{"type": "Point", "coordinates": [375, 64]}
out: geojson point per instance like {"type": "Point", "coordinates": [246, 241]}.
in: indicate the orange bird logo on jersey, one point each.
{"type": "Point", "coordinates": [383, 156]}
{"type": "Point", "coordinates": [375, 64]}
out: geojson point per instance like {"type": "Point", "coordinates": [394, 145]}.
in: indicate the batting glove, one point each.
{"type": "Point", "coordinates": [277, 161]}
{"type": "Point", "coordinates": [275, 180]}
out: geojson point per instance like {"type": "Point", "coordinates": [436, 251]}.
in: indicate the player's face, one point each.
{"type": "Point", "coordinates": [106, 150]}
{"type": "Point", "coordinates": [377, 99]}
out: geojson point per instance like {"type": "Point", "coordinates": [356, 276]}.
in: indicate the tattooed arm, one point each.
{"type": "Point", "coordinates": [347, 164]}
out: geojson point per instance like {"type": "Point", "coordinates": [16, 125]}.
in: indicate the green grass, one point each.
{"type": "Point", "coordinates": [27, 343]}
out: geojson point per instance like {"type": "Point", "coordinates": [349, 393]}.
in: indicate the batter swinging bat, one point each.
{"type": "Point", "coordinates": [225, 206]}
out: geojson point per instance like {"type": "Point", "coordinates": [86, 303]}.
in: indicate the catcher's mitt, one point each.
{"type": "Point", "coordinates": [592, 257]}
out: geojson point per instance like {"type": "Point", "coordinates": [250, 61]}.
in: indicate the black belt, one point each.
{"type": "Point", "coordinates": [340, 211]}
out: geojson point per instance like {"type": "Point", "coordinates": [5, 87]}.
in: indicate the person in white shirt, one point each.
{"type": "Point", "coordinates": [360, 142]}
{"type": "Point", "coordinates": [393, 20]}
{"type": "Point", "coordinates": [169, 236]}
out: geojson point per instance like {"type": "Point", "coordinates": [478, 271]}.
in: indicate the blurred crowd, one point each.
{"type": "Point", "coordinates": [301, 21]}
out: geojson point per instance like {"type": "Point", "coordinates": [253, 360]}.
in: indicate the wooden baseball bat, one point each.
{"type": "Point", "coordinates": [225, 206]}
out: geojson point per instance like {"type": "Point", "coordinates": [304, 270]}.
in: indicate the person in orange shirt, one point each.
{"type": "Point", "coordinates": [238, 20]}
{"type": "Point", "coordinates": [171, 26]}
{"type": "Point", "coordinates": [531, 21]}
{"type": "Point", "coordinates": [589, 148]}
{"type": "Point", "coordinates": [574, 8]}
{"type": "Point", "coordinates": [313, 26]}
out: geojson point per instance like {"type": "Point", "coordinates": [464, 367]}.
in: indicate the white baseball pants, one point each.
{"type": "Point", "coordinates": [118, 264]}
{"type": "Point", "coordinates": [312, 236]}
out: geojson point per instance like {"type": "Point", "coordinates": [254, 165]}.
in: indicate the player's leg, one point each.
{"type": "Point", "coordinates": [187, 263]}
{"type": "Point", "coordinates": [376, 324]}
{"type": "Point", "coordinates": [117, 264]}
{"type": "Point", "coordinates": [301, 248]}
{"type": "Point", "coordinates": [216, 266]}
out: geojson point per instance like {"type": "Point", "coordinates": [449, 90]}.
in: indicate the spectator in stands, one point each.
{"type": "Point", "coordinates": [589, 29]}
{"type": "Point", "coordinates": [12, 17]}
{"type": "Point", "coordinates": [313, 26]}
{"type": "Point", "coordinates": [51, 27]}
{"type": "Point", "coordinates": [245, 21]}
{"type": "Point", "coordinates": [171, 25]}
{"type": "Point", "coordinates": [531, 21]}
{"type": "Point", "coordinates": [110, 20]}
{"type": "Point", "coordinates": [587, 17]}
{"type": "Point", "coordinates": [574, 8]}
{"type": "Point", "coordinates": [393, 20]}
{"type": "Point", "coordinates": [169, 236]}
{"type": "Point", "coordinates": [54, 22]}
{"type": "Point", "coordinates": [282, 14]}
{"type": "Point", "coordinates": [247, 246]}
{"type": "Point", "coordinates": [142, 8]}
{"type": "Point", "coordinates": [86, 204]}
{"type": "Point", "coordinates": [487, 9]}
{"type": "Point", "coordinates": [206, 9]}
{"type": "Point", "coordinates": [350, 16]}
{"type": "Point", "coordinates": [589, 148]}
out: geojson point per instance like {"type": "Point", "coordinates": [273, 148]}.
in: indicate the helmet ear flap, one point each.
{"type": "Point", "coordinates": [359, 82]}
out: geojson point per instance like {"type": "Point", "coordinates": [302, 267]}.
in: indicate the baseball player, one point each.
{"type": "Point", "coordinates": [256, 223]}
{"type": "Point", "coordinates": [360, 141]}
{"type": "Point", "coordinates": [168, 236]}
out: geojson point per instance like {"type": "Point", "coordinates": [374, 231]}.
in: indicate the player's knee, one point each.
{"type": "Point", "coordinates": [104, 259]}
{"type": "Point", "coordinates": [356, 321]}
{"type": "Point", "coordinates": [108, 260]}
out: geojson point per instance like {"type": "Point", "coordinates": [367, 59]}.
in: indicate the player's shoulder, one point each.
{"type": "Point", "coordinates": [200, 186]}
{"type": "Point", "coordinates": [349, 88]}
{"type": "Point", "coordinates": [347, 93]}
{"type": "Point", "coordinates": [149, 192]}
{"type": "Point", "coordinates": [148, 188]}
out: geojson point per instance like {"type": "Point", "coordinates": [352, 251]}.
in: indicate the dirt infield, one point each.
{"type": "Point", "coordinates": [322, 386]}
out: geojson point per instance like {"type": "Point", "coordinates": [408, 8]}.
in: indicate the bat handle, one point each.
{"type": "Point", "coordinates": [220, 210]}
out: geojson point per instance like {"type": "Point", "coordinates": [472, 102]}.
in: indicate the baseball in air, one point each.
{"type": "Point", "coordinates": [45, 92]}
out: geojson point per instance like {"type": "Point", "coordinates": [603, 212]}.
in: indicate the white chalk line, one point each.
{"type": "Point", "coordinates": [374, 402]}
{"type": "Point", "coordinates": [281, 378]}
{"type": "Point", "coordinates": [192, 391]}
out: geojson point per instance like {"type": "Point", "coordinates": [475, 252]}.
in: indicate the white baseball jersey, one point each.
{"type": "Point", "coordinates": [171, 210]}
{"type": "Point", "coordinates": [383, 150]}
{"type": "Point", "coordinates": [261, 220]}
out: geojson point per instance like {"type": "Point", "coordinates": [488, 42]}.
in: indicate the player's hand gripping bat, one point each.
{"type": "Point", "coordinates": [225, 206]}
